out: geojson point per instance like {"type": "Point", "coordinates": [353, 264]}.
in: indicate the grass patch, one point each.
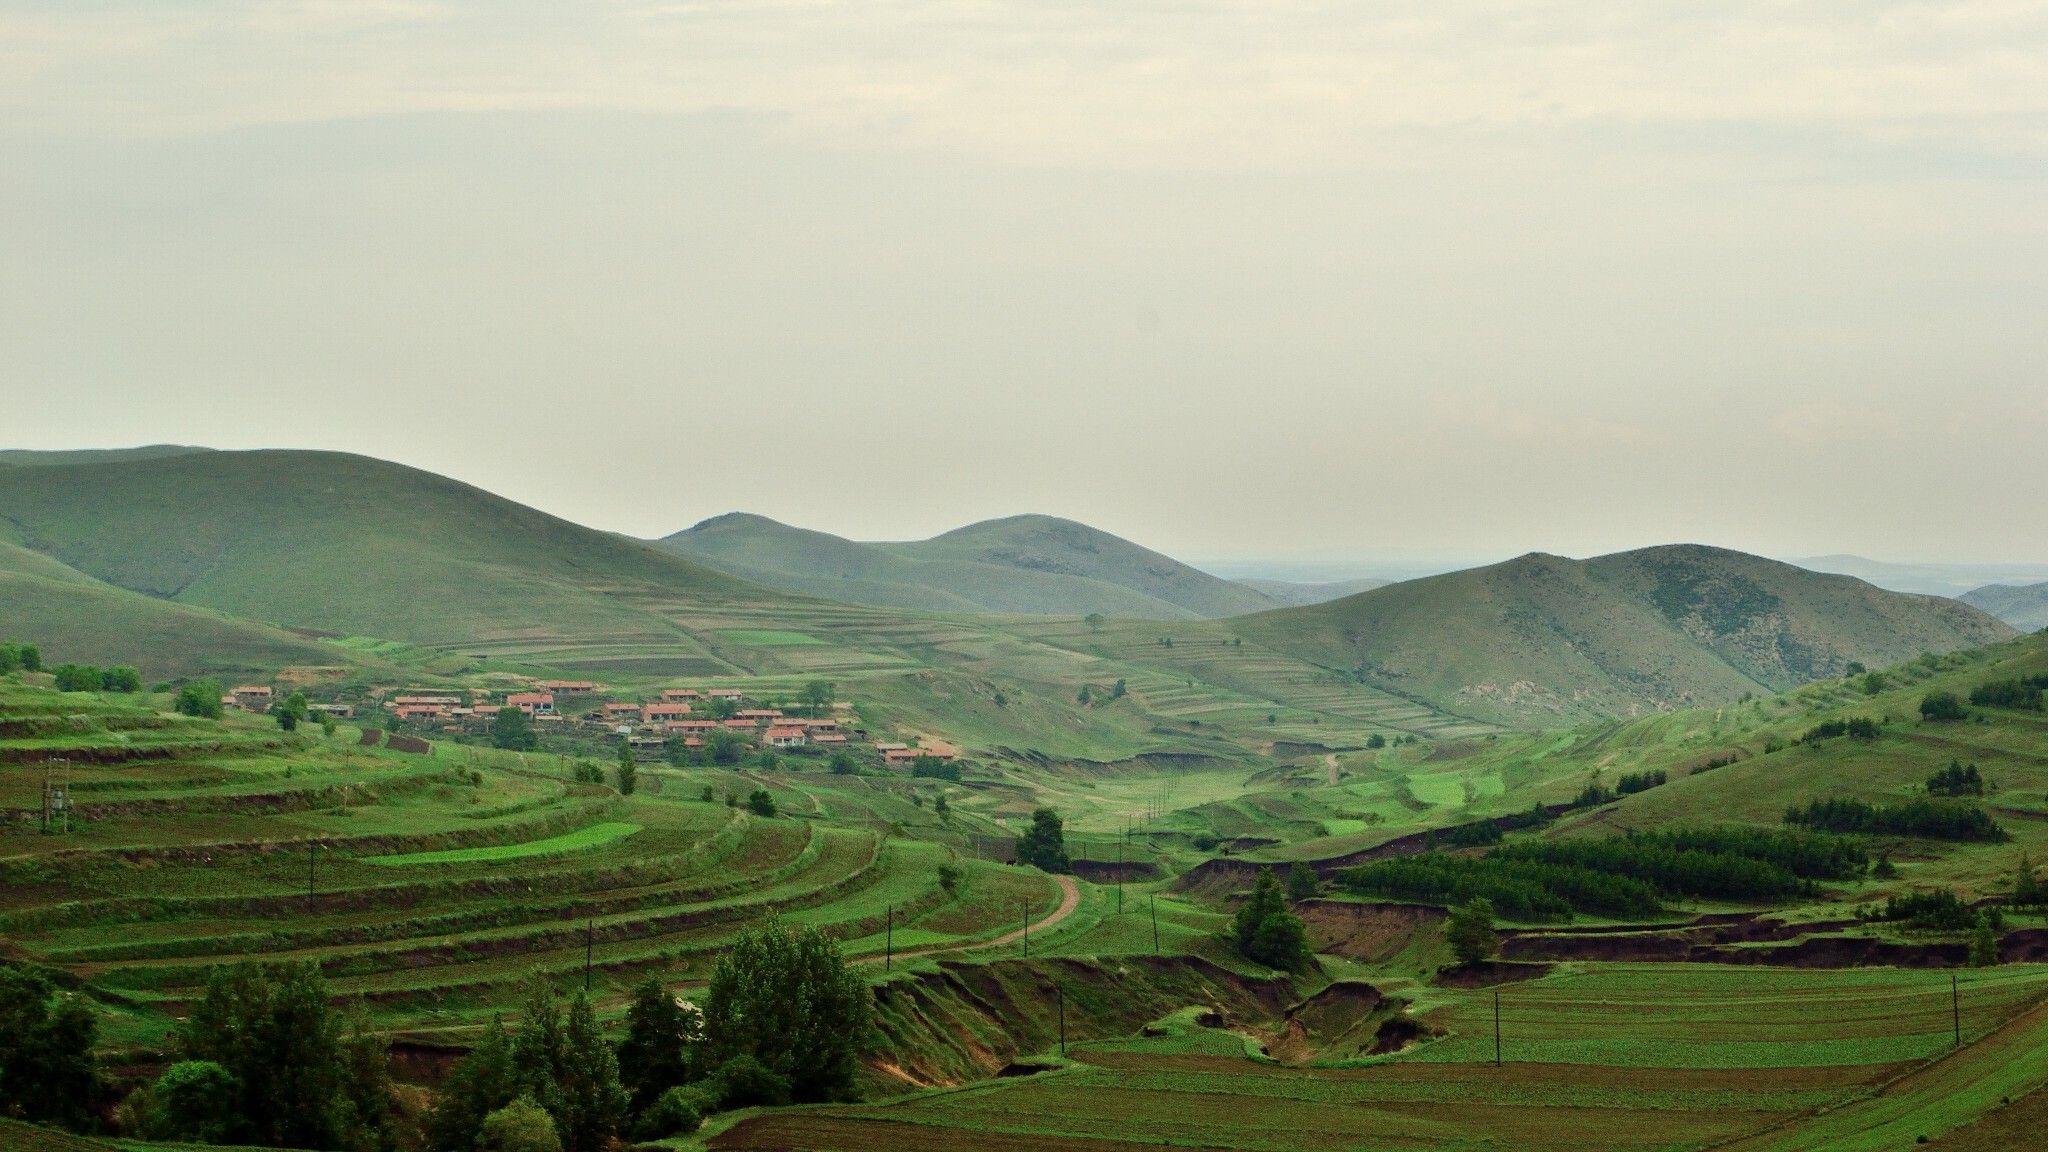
{"type": "Point", "coordinates": [594, 836]}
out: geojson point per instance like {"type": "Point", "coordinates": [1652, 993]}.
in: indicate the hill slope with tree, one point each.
{"type": "Point", "coordinates": [1547, 640]}
{"type": "Point", "coordinates": [1021, 565]}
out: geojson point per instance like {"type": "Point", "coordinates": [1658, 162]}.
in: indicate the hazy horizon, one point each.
{"type": "Point", "coordinates": [1276, 281]}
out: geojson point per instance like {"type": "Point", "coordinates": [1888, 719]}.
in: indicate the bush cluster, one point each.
{"type": "Point", "coordinates": [1957, 779]}
{"type": "Point", "coordinates": [20, 657]}
{"type": "Point", "coordinates": [1861, 727]}
{"type": "Point", "coordinates": [1933, 819]}
{"type": "Point", "coordinates": [1619, 876]}
{"type": "Point", "coordinates": [2021, 694]}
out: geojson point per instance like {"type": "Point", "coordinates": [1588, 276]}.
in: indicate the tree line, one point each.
{"type": "Point", "coordinates": [266, 1059]}
{"type": "Point", "coordinates": [1625, 876]}
{"type": "Point", "coordinates": [1932, 819]}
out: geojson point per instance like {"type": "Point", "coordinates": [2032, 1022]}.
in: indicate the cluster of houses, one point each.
{"type": "Point", "coordinates": [648, 726]}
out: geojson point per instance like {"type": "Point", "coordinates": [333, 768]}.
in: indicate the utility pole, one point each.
{"type": "Point", "coordinates": [1955, 1006]}
{"type": "Point", "coordinates": [589, 938]}
{"type": "Point", "coordinates": [1155, 925]}
{"type": "Point", "coordinates": [1119, 876]}
{"type": "Point", "coordinates": [1027, 929]}
{"type": "Point", "coordinates": [1496, 1028]}
{"type": "Point", "coordinates": [889, 941]}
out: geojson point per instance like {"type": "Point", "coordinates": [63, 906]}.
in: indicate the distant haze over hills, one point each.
{"type": "Point", "coordinates": [1932, 579]}
{"type": "Point", "coordinates": [2025, 608]}
{"type": "Point", "coordinates": [1018, 565]}
{"type": "Point", "coordinates": [1546, 640]}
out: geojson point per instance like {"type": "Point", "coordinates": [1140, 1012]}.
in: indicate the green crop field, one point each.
{"type": "Point", "coordinates": [592, 836]}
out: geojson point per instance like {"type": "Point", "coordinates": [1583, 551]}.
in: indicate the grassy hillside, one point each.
{"type": "Point", "coordinates": [1023, 565]}
{"type": "Point", "coordinates": [76, 618]}
{"type": "Point", "coordinates": [1544, 640]}
{"type": "Point", "coordinates": [2024, 607]}
{"type": "Point", "coordinates": [28, 458]}
{"type": "Point", "coordinates": [343, 543]}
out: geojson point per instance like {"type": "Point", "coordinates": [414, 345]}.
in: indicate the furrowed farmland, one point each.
{"type": "Point", "coordinates": [1807, 920]}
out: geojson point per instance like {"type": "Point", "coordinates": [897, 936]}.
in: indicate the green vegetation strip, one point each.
{"type": "Point", "coordinates": [768, 638]}
{"type": "Point", "coordinates": [594, 836]}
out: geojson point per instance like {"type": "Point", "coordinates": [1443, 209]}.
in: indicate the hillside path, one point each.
{"type": "Point", "coordinates": [1331, 761]}
{"type": "Point", "coordinates": [1070, 899]}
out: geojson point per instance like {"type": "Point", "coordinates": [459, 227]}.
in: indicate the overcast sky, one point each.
{"type": "Point", "coordinates": [1263, 279]}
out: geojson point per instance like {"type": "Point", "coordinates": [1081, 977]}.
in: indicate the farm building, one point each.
{"type": "Point", "coordinates": [532, 703]}
{"type": "Point", "coordinates": [680, 695]}
{"type": "Point", "coordinates": [657, 712]}
{"type": "Point", "coordinates": [760, 713]}
{"type": "Point", "coordinates": [569, 687]}
{"type": "Point", "coordinates": [620, 708]}
{"type": "Point", "coordinates": [251, 697]}
{"type": "Point", "coordinates": [785, 737]}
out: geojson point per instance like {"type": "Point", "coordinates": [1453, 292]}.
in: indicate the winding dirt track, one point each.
{"type": "Point", "coordinates": [1070, 899]}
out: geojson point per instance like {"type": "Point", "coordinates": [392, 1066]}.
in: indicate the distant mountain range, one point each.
{"type": "Point", "coordinates": [1931, 579]}
{"type": "Point", "coordinates": [1547, 640]}
{"type": "Point", "coordinates": [1019, 565]}
{"type": "Point", "coordinates": [220, 560]}
{"type": "Point", "coordinates": [2024, 607]}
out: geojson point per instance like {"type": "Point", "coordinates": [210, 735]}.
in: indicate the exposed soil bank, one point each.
{"type": "Point", "coordinates": [966, 1022]}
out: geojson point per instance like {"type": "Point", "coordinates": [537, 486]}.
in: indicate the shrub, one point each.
{"type": "Point", "coordinates": [1469, 931]}
{"type": "Point", "coordinates": [120, 679]}
{"type": "Point", "coordinates": [843, 763]}
{"type": "Point", "coordinates": [1942, 706]}
{"type": "Point", "coordinates": [521, 1126]}
{"type": "Point", "coordinates": [1266, 932]}
{"type": "Point", "coordinates": [761, 803]}
{"type": "Point", "coordinates": [193, 1101]}
{"type": "Point", "coordinates": [933, 768]}
{"type": "Point", "coordinates": [512, 729]}
{"type": "Point", "coordinates": [1302, 882]}
{"type": "Point", "coordinates": [77, 678]}
{"type": "Point", "coordinates": [1044, 844]}
{"type": "Point", "coordinates": [1937, 911]}
{"type": "Point", "coordinates": [949, 877]}
{"type": "Point", "coordinates": [678, 1112]}
{"type": "Point", "coordinates": [1635, 782]}
{"type": "Point", "coordinates": [200, 698]}
{"type": "Point", "coordinates": [1956, 780]}
{"type": "Point", "coordinates": [1861, 727]}
{"type": "Point", "coordinates": [2018, 694]}
{"type": "Point", "coordinates": [22, 657]}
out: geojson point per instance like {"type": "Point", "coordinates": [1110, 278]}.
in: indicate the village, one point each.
{"type": "Point", "coordinates": [653, 726]}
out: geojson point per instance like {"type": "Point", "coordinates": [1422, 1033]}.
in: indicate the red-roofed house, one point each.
{"type": "Point", "coordinates": [690, 725]}
{"type": "Point", "coordinates": [785, 737]}
{"type": "Point", "coordinates": [741, 725]}
{"type": "Point", "coordinates": [829, 738]}
{"type": "Point", "coordinates": [654, 712]}
{"type": "Point", "coordinates": [532, 703]}
{"type": "Point", "coordinates": [886, 748]}
{"type": "Point", "coordinates": [727, 694]}
{"type": "Point", "coordinates": [680, 695]}
{"type": "Point", "coordinates": [760, 713]}
{"type": "Point", "coordinates": [570, 687]}
{"type": "Point", "coordinates": [620, 708]}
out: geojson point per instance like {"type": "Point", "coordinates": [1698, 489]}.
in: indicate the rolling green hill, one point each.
{"type": "Point", "coordinates": [76, 618]}
{"type": "Point", "coordinates": [1021, 565]}
{"type": "Point", "coordinates": [344, 543]}
{"type": "Point", "coordinates": [1543, 640]}
{"type": "Point", "coordinates": [2024, 607]}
